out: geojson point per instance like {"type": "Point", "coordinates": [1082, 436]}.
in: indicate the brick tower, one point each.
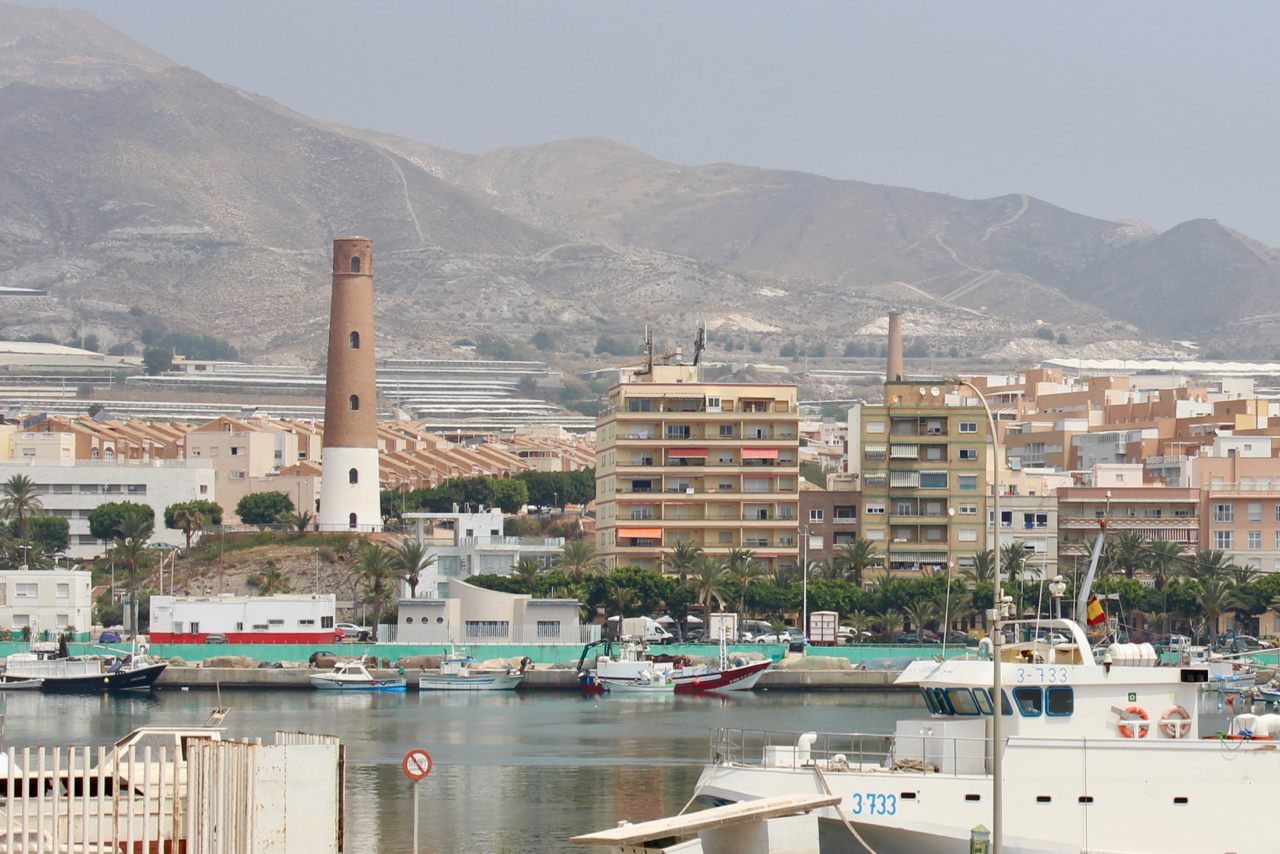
{"type": "Point", "coordinates": [349, 483]}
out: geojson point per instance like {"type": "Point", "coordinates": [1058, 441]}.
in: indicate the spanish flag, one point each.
{"type": "Point", "coordinates": [1094, 614]}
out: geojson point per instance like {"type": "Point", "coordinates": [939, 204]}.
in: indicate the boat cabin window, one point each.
{"type": "Point", "coordinates": [962, 701]}
{"type": "Point", "coordinates": [1005, 708]}
{"type": "Point", "coordinates": [931, 703]}
{"type": "Point", "coordinates": [1030, 701]}
{"type": "Point", "coordinates": [944, 705]}
{"type": "Point", "coordinates": [1059, 702]}
{"type": "Point", "coordinates": [984, 701]}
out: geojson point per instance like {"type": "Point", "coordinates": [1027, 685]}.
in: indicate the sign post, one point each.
{"type": "Point", "coordinates": [416, 765]}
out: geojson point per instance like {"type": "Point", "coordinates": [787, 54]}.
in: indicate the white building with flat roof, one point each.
{"type": "Point", "coordinates": [473, 615]}
{"type": "Point", "coordinates": [46, 600]}
{"type": "Point", "coordinates": [73, 489]}
{"type": "Point", "coordinates": [467, 544]}
{"type": "Point", "coordinates": [282, 618]}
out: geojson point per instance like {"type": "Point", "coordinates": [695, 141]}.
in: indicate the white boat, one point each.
{"type": "Point", "coordinates": [644, 682]}
{"type": "Point", "coordinates": [458, 673]}
{"type": "Point", "coordinates": [354, 676]}
{"type": "Point", "coordinates": [1109, 754]}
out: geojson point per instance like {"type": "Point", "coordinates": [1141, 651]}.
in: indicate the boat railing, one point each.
{"type": "Point", "coordinates": [837, 752]}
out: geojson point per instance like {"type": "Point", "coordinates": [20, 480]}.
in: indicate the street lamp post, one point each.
{"type": "Point", "coordinates": [804, 601]}
{"type": "Point", "coordinates": [1003, 607]}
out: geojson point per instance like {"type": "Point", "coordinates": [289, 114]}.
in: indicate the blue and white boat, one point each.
{"type": "Point", "coordinates": [458, 673]}
{"type": "Point", "coordinates": [354, 676]}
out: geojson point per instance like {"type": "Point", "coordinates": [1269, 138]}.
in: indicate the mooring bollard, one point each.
{"type": "Point", "coordinates": [979, 840]}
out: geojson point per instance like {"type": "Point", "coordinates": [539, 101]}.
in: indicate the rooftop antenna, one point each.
{"type": "Point", "coordinates": [700, 341]}
{"type": "Point", "coordinates": [648, 350]}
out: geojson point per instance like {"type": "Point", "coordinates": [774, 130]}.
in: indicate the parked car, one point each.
{"type": "Point", "coordinates": [215, 638]}
{"type": "Point", "coordinates": [352, 632]}
{"type": "Point", "coordinates": [771, 638]}
{"type": "Point", "coordinates": [109, 637]}
{"type": "Point", "coordinates": [1240, 643]}
{"type": "Point", "coordinates": [695, 635]}
{"type": "Point", "coordinates": [795, 640]}
{"type": "Point", "coordinates": [958, 637]}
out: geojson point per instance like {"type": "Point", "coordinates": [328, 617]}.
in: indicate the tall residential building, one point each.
{"type": "Point", "coordinates": [923, 460]}
{"type": "Point", "coordinates": [349, 498]}
{"type": "Point", "coordinates": [713, 464]}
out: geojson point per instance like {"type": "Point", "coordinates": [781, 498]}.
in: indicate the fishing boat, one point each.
{"type": "Point", "coordinates": [644, 682]}
{"type": "Point", "coordinates": [92, 675]}
{"type": "Point", "coordinates": [354, 676]}
{"type": "Point", "coordinates": [698, 679]}
{"type": "Point", "coordinates": [458, 673]}
{"type": "Point", "coordinates": [1113, 753]}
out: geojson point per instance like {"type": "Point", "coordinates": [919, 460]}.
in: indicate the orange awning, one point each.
{"type": "Point", "coordinates": [641, 533]}
{"type": "Point", "coordinates": [688, 452]}
{"type": "Point", "coordinates": [759, 453]}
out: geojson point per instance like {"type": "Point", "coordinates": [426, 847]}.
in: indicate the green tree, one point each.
{"type": "Point", "coordinates": [109, 521]}
{"type": "Point", "coordinates": [1164, 560]}
{"type": "Point", "coordinates": [814, 473]}
{"type": "Point", "coordinates": [1207, 564]}
{"type": "Point", "coordinates": [299, 521]}
{"type": "Point", "coordinates": [921, 612]}
{"type": "Point", "coordinates": [271, 582]}
{"type": "Point", "coordinates": [263, 508]}
{"type": "Point", "coordinates": [1126, 554]}
{"type": "Point", "coordinates": [509, 495]}
{"type": "Point", "coordinates": [186, 519]}
{"type": "Point", "coordinates": [1045, 333]}
{"type": "Point", "coordinates": [51, 533]}
{"type": "Point", "coordinates": [741, 568]}
{"type": "Point", "coordinates": [787, 350]}
{"type": "Point", "coordinates": [19, 502]}
{"type": "Point", "coordinates": [1215, 596]}
{"type": "Point", "coordinates": [856, 558]}
{"type": "Point", "coordinates": [709, 581]}
{"type": "Point", "coordinates": [681, 559]}
{"type": "Point", "coordinates": [157, 360]}
{"type": "Point", "coordinates": [577, 560]}
{"type": "Point", "coordinates": [526, 571]}
{"type": "Point", "coordinates": [210, 510]}
{"type": "Point", "coordinates": [409, 560]}
{"type": "Point", "coordinates": [129, 550]}
{"type": "Point", "coordinates": [375, 568]}
{"type": "Point", "coordinates": [983, 570]}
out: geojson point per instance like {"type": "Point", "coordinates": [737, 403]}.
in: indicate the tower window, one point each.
{"type": "Point", "coordinates": [354, 402]}
{"type": "Point", "coordinates": [353, 476]}
{"type": "Point", "coordinates": [351, 521]}
{"type": "Point", "coordinates": [355, 265]}
{"type": "Point", "coordinates": [355, 340]}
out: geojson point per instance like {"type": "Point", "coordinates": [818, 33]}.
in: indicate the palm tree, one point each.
{"type": "Point", "coordinates": [300, 521]}
{"type": "Point", "coordinates": [829, 569]}
{"type": "Point", "coordinates": [856, 558]}
{"type": "Point", "coordinates": [1164, 560]}
{"type": "Point", "coordinates": [860, 621]}
{"type": "Point", "coordinates": [889, 622]}
{"type": "Point", "coordinates": [527, 570]}
{"type": "Point", "coordinates": [709, 581]}
{"type": "Point", "coordinates": [1126, 553]}
{"type": "Point", "coordinates": [578, 559]}
{"type": "Point", "coordinates": [409, 560]}
{"type": "Point", "coordinates": [624, 598]}
{"type": "Point", "coordinates": [130, 550]}
{"type": "Point", "coordinates": [270, 582]}
{"type": "Point", "coordinates": [1215, 596]}
{"type": "Point", "coordinates": [188, 520]}
{"type": "Point", "coordinates": [373, 566]}
{"type": "Point", "coordinates": [1207, 563]}
{"type": "Point", "coordinates": [1013, 561]}
{"type": "Point", "coordinates": [684, 554]}
{"type": "Point", "coordinates": [741, 568]}
{"type": "Point", "coordinates": [1242, 575]}
{"type": "Point", "coordinates": [983, 570]}
{"type": "Point", "coordinates": [20, 502]}
{"type": "Point", "coordinates": [921, 612]}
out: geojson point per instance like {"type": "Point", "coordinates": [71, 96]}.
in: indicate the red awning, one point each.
{"type": "Point", "coordinates": [687, 452]}
{"type": "Point", "coordinates": [641, 533]}
{"type": "Point", "coordinates": [759, 453]}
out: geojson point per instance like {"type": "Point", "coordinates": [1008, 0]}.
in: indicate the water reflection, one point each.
{"type": "Point", "coordinates": [514, 771]}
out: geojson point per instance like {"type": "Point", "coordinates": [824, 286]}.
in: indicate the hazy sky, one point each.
{"type": "Point", "coordinates": [1160, 111]}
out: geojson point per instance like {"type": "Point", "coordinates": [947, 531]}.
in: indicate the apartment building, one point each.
{"type": "Point", "coordinates": [715, 465]}
{"type": "Point", "coordinates": [1155, 512]}
{"type": "Point", "coordinates": [1239, 483]}
{"type": "Point", "coordinates": [925, 469]}
{"type": "Point", "coordinates": [829, 517]}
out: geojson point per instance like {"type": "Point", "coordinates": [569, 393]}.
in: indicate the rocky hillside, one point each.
{"type": "Point", "coordinates": [127, 182]}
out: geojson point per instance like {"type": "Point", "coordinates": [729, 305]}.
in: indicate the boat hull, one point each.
{"type": "Point", "coordinates": [135, 679]}
{"type": "Point", "coordinates": [623, 687]}
{"type": "Point", "coordinates": [475, 682]}
{"type": "Point", "coordinates": [353, 685]}
{"type": "Point", "coordinates": [735, 679]}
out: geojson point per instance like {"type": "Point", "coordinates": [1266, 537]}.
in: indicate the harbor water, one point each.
{"type": "Point", "coordinates": [513, 771]}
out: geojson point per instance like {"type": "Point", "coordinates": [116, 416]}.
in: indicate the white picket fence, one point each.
{"type": "Point", "coordinates": [224, 797]}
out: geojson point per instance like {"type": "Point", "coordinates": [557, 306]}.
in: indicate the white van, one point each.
{"type": "Point", "coordinates": [647, 629]}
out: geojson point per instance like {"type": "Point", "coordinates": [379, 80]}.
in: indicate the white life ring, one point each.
{"type": "Point", "coordinates": [1175, 722]}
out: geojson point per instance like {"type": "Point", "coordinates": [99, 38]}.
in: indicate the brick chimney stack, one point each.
{"type": "Point", "coordinates": [349, 499]}
{"type": "Point", "coordinates": [894, 371]}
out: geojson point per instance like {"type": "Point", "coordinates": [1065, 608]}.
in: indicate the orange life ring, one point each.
{"type": "Point", "coordinates": [1132, 727]}
{"type": "Point", "coordinates": [1175, 722]}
